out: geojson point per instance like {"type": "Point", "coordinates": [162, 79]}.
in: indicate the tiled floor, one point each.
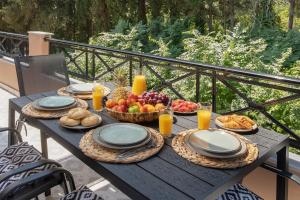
{"type": "Point", "coordinates": [82, 173]}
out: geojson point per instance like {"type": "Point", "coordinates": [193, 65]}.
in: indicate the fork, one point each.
{"type": "Point", "coordinates": [132, 152]}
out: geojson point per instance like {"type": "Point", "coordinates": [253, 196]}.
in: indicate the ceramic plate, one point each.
{"type": "Point", "coordinates": [55, 101]}
{"type": "Point", "coordinates": [36, 106]}
{"type": "Point", "coordinates": [214, 141]}
{"type": "Point", "coordinates": [119, 147]}
{"type": "Point", "coordinates": [80, 127]}
{"type": "Point", "coordinates": [70, 90]}
{"type": "Point", "coordinates": [241, 152]}
{"type": "Point", "coordinates": [220, 124]}
{"type": "Point", "coordinates": [186, 113]}
{"type": "Point", "coordinates": [82, 87]}
{"type": "Point", "coordinates": [122, 134]}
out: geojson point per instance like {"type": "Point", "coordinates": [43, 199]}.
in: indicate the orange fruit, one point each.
{"type": "Point", "coordinates": [150, 107]}
{"type": "Point", "coordinates": [159, 107]}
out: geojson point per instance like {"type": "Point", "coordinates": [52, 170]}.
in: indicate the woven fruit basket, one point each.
{"type": "Point", "coordinates": [134, 117]}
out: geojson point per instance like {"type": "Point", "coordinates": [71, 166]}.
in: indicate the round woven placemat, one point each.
{"type": "Point", "coordinates": [98, 152]}
{"type": "Point", "coordinates": [181, 148]}
{"type": "Point", "coordinates": [62, 92]}
{"type": "Point", "coordinates": [30, 111]}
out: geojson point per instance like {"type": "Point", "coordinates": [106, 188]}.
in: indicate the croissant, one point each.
{"type": "Point", "coordinates": [236, 121]}
{"type": "Point", "coordinates": [231, 124]}
{"type": "Point", "coordinates": [244, 122]}
{"type": "Point", "coordinates": [226, 118]}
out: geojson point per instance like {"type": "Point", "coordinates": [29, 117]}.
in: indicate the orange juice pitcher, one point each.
{"type": "Point", "coordinates": [98, 93]}
{"type": "Point", "coordinates": [139, 84]}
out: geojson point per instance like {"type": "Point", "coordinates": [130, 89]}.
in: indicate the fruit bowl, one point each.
{"type": "Point", "coordinates": [134, 117]}
{"type": "Point", "coordinates": [136, 109]}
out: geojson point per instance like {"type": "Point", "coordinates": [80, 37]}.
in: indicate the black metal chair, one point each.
{"type": "Point", "coordinates": [238, 191]}
{"type": "Point", "coordinates": [38, 74]}
{"type": "Point", "coordinates": [24, 173]}
{"type": "Point", "coordinates": [83, 193]}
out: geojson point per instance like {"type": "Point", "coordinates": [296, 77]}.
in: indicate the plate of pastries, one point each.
{"type": "Point", "coordinates": [236, 123]}
{"type": "Point", "coordinates": [79, 118]}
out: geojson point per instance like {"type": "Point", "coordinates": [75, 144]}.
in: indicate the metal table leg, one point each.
{"type": "Point", "coordinates": [11, 124]}
{"type": "Point", "coordinates": [282, 183]}
{"type": "Point", "coordinates": [44, 144]}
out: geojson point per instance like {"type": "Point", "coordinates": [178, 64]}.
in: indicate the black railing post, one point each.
{"type": "Point", "coordinates": [214, 92]}
{"type": "Point", "coordinates": [198, 85]}
{"type": "Point", "coordinates": [93, 65]}
{"type": "Point", "coordinates": [130, 71]}
{"type": "Point", "coordinates": [141, 66]}
{"type": "Point", "coordinates": [86, 66]}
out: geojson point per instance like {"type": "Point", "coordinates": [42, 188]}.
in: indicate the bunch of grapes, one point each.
{"type": "Point", "coordinates": [153, 98]}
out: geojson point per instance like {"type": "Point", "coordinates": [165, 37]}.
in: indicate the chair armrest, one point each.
{"type": "Point", "coordinates": [33, 181]}
{"type": "Point", "coordinates": [282, 173]}
{"type": "Point", "coordinates": [2, 129]}
{"type": "Point", "coordinates": [27, 167]}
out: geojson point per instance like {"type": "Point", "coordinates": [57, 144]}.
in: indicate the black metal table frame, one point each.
{"type": "Point", "coordinates": [281, 151]}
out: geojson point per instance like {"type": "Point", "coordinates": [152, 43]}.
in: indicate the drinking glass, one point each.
{"type": "Point", "coordinates": [98, 94]}
{"type": "Point", "coordinates": [204, 116]}
{"type": "Point", "coordinates": [139, 84]}
{"type": "Point", "coordinates": [166, 123]}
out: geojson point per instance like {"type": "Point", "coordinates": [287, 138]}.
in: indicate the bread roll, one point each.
{"type": "Point", "coordinates": [90, 121]}
{"type": "Point", "coordinates": [78, 113]}
{"type": "Point", "coordinates": [65, 120]}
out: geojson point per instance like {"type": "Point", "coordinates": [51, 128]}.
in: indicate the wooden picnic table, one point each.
{"type": "Point", "coordinates": [165, 175]}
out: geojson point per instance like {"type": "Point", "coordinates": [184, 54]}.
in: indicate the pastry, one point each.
{"type": "Point", "coordinates": [236, 121]}
{"type": "Point", "coordinates": [78, 113]}
{"type": "Point", "coordinates": [65, 120]}
{"type": "Point", "coordinates": [226, 118]}
{"type": "Point", "coordinates": [90, 120]}
{"type": "Point", "coordinates": [244, 122]}
{"type": "Point", "coordinates": [231, 124]}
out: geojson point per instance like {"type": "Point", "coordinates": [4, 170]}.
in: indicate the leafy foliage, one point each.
{"type": "Point", "coordinates": [236, 48]}
{"type": "Point", "coordinates": [249, 34]}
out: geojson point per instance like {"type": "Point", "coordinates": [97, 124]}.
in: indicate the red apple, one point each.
{"type": "Point", "coordinates": [122, 102]}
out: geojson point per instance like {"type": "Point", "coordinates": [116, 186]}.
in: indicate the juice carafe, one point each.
{"type": "Point", "coordinates": [139, 84]}
{"type": "Point", "coordinates": [98, 93]}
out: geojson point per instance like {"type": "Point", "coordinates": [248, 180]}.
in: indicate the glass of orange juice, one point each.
{"type": "Point", "coordinates": [139, 84]}
{"type": "Point", "coordinates": [204, 116]}
{"type": "Point", "coordinates": [98, 94]}
{"type": "Point", "coordinates": [166, 123]}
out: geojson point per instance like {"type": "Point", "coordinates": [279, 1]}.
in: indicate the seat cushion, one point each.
{"type": "Point", "coordinates": [239, 192]}
{"type": "Point", "coordinates": [17, 155]}
{"type": "Point", "coordinates": [83, 193]}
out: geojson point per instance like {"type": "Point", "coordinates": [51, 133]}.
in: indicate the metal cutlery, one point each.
{"type": "Point", "coordinates": [132, 152]}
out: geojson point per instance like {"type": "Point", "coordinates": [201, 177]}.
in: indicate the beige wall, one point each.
{"type": "Point", "coordinates": [263, 183]}
{"type": "Point", "coordinates": [8, 75]}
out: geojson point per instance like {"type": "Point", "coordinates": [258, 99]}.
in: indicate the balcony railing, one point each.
{"type": "Point", "coordinates": [90, 62]}
{"type": "Point", "coordinates": [12, 44]}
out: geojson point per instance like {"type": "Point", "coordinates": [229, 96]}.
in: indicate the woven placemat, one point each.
{"type": "Point", "coordinates": [30, 111]}
{"type": "Point", "coordinates": [62, 92]}
{"type": "Point", "coordinates": [98, 152]}
{"type": "Point", "coordinates": [181, 148]}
